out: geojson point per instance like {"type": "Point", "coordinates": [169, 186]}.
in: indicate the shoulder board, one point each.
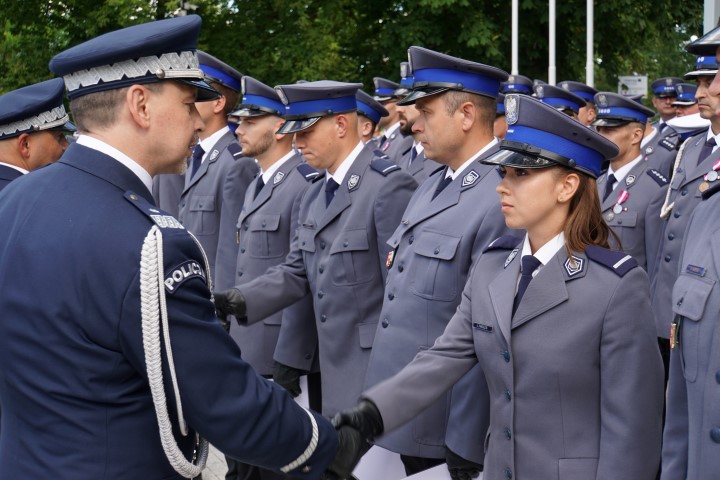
{"type": "Point", "coordinates": [619, 262]}
{"type": "Point", "coordinates": [157, 216]}
{"type": "Point", "coordinates": [439, 169]}
{"type": "Point", "coordinates": [658, 177]}
{"type": "Point", "coordinates": [235, 149]}
{"type": "Point", "coordinates": [384, 165]}
{"type": "Point", "coordinates": [308, 172]}
{"type": "Point", "coordinates": [506, 242]}
{"type": "Point", "coordinates": [380, 154]}
{"type": "Point", "coordinates": [407, 150]}
{"type": "Point", "coordinates": [670, 142]}
{"type": "Point", "coordinates": [711, 191]}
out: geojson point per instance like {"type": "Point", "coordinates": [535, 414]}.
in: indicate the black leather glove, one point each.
{"type": "Point", "coordinates": [352, 446]}
{"type": "Point", "coordinates": [364, 417]}
{"type": "Point", "coordinates": [288, 378]}
{"type": "Point", "coordinates": [230, 302]}
{"type": "Point", "coordinates": [461, 468]}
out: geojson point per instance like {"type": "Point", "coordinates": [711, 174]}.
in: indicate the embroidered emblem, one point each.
{"type": "Point", "coordinates": [353, 181]}
{"type": "Point", "coordinates": [183, 272]}
{"type": "Point", "coordinates": [602, 100]}
{"type": "Point", "coordinates": [510, 257]}
{"type": "Point", "coordinates": [214, 155]}
{"type": "Point", "coordinates": [470, 178]}
{"type": "Point", "coordinates": [166, 221]}
{"type": "Point", "coordinates": [648, 150]}
{"type": "Point", "coordinates": [540, 91]}
{"type": "Point", "coordinates": [512, 109]}
{"type": "Point", "coordinates": [630, 180]}
{"type": "Point", "coordinates": [278, 178]}
{"type": "Point", "coordinates": [574, 265]}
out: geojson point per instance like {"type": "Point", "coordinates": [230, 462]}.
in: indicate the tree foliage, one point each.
{"type": "Point", "coordinates": [281, 41]}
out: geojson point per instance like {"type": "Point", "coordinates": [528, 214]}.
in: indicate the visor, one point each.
{"type": "Point", "coordinates": [613, 122]}
{"type": "Point", "coordinates": [292, 126]}
{"type": "Point", "coordinates": [523, 155]}
{"type": "Point", "coordinates": [245, 111]}
{"type": "Point", "coordinates": [700, 73]}
{"type": "Point", "coordinates": [421, 93]}
{"type": "Point", "coordinates": [205, 92]}
{"type": "Point", "coordinates": [684, 103]}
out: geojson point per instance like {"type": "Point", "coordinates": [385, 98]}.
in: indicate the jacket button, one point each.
{"type": "Point", "coordinates": [345, 244]}
{"type": "Point", "coordinates": [321, 294]}
{"type": "Point", "coordinates": [385, 323]}
{"type": "Point", "coordinates": [508, 473]}
{"type": "Point", "coordinates": [245, 226]}
{"type": "Point", "coordinates": [240, 274]}
{"type": "Point", "coordinates": [400, 268]}
{"type": "Point", "coordinates": [406, 222]}
{"type": "Point", "coordinates": [668, 258]}
{"type": "Point", "coordinates": [717, 376]}
{"type": "Point", "coordinates": [506, 356]}
{"type": "Point", "coordinates": [676, 214]}
{"type": "Point", "coordinates": [321, 269]}
{"type": "Point", "coordinates": [508, 434]}
{"type": "Point", "coordinates": [671, 236]}
{"type": "Point", "coordinates": [264, 224]}
{"type": "Point", "coordinates": [411, 239]}
{"type": "Point", "coordinates": [322, 245]}
{"type": "Point", "coordinates": [242, 250]}
{"type": "Point", "coordinates": [391, 296]}
{"type": "Point", "coordinates": [437, 250]}
{"type": "Point", "coordinates": [308, 356]}
{"type": "Point", "coordinates": [323, 318]}
{"type": "Point", "coordinates": [715, 434]}
{"type": "Point", "coordinates": [508, 395]}
{"type": "Point", "coordinates": [684, 192]}
{"type": "Point", "coordinates": [679, 302]}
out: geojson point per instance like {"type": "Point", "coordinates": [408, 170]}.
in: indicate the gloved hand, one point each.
{"type": "Point", "coordinates": [364, 417]}
{"type": "Point", "coordinates": [461, 468]}
{"type": "Point", "coordinates": [288, 378]}
{"type": "Point", "coordinates": [352, 446]}
{"type": "Point", "coordinates": [230, 302]}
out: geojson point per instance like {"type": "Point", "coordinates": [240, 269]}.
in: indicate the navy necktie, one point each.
{"type": "Point", "coordinates": [330, 187]}
{"type": "Point", "coordinates": [413, 155]}
{"type": "Point", "coordinates": [610, 182]}
{"type": "Point", "coordinates": [529, 265]}
{"type": "Point", "coordinates": [706, 150]}
{"type": "Point", "coordinates": [259, 185]}
{"type": "Point", "coordinates": [197, 155]}
{"type": "Point", "coordinates": [441, 186]}
{"type": "Point", "coordinates": [661, 126]}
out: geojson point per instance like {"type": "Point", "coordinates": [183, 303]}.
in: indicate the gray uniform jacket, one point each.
{"type": "Point", "coordinates": [211, 202]}
{"type": "Point", "coordinates": [265, 228]}
{"type": "Point", "coordinates": [660, 152]}
{"type": "Point", "coordinates": [420, 168]}
{"type": "Point", "coordinates": [565, 403]}
{"type": "Point", "coordinates": [166, 190]}
{"type": "Point", "coordinates": [686, 195]}
{"type": "Point", "coordinates": [435, 245]}
{"type": "Point", "coordinates": [692, 424]}
{"type": "Point", "coordinates": [395, 145]}
{"type": "Point", "coordinates": [642, 185]}
{"type": "Point", "coordinates": [339, 255]}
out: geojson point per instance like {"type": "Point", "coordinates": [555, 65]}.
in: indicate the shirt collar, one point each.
{"type": "Point", "coordinates": [15, 167]}
{"type": "Point", "coordinates": [210, 141]}
{"type": "Point", "coordinates": [454, 174]}
{"type": "Point", "coordinates": [418, 147]}
{"type": "Point", "coordinates": [109, 150]}
{"type": "Point", "coordinates": [547, 251]}
{"type": "Point", "coordinates": [716, 137]}
{"type": "Point", "coordinates": [391, 129]}
{"type": "Point", "coordinates": [649, 138]}
{"type": "Point", "coordinates": [267, 175]}
{"type": "Point", "coordinates": [344, 167]}
{"type": "Point", "coordinates": [624, 170]}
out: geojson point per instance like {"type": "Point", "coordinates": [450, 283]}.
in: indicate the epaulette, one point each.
{"type": "Point", "coordinates": [711, 191]}
{"type": "Point", "coordinates": [407, 150]}
{"type": "Point", "coordinates": [669, 144]}
{"type": "Point", "coordinates": [380, 154]}
{"type": "Point", "coordinates": [160, 218]}
{"type": "Point", "coordinates": [308, 172]}
{"type": "Point", "coordinates": [384, 165]}
{"type": "Point", "coordinates": [619, 262]}
{"type": "Point", "coordinates": [658, 177]}
{"type": "Point", "coordinates": [235, 149]}
{"type": "Point", "coordinates": [506, 242]}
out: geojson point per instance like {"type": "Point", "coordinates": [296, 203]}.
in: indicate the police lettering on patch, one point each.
{"type": "Point", "coordinates": [183, 272]}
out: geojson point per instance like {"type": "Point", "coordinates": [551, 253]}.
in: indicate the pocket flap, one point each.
{"type": "Point", "coordinates": [366, 334]}
{"type": "Point", "coordinates": [266, 222]}
{"type": "Point", "coordinates": [436, 245]}
{"type": "Point", "coordinates": [624, 219]}
{"type": "Point", "coordinates": [202, 203]}
{"type": "Point", "coordinates": [690, 294]}
{"type": "Point", "coordinates": [306, 239]}
{"type": "Point", "coordinates": [350, 240]}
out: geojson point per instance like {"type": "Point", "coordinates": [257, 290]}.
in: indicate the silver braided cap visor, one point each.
{"type": "Point", "coordinates": [57, 117]}
{"type": "Point", "coordinates": [168, 66]}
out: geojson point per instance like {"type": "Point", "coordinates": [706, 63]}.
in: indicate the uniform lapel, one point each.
{"type": "Point", "coordinates": [417, 165]}
{"type": "Point", "coordinates": [341, 201]}
{"type": "Point", "coordinates": [693, 171]}
{"type": "Point", "coordinates": [624, 184]}
{"type": "Point", "coordinates": [545, 291]}
{"type": "Point", "coordinates": [502, 293]}
{"type": "Point", "coordinates": [277, 179]}
{"type": "Point", "coordinates": [212, 157]}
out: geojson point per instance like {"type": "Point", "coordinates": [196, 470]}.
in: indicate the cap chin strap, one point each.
{"type": "Point", "coordinates": [667, 206]}
{"type": "Point", "coordinates": [153, 308]}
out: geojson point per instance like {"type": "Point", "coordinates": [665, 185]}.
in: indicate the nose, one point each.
{"type": "Point", "coordinates": [419, 125]}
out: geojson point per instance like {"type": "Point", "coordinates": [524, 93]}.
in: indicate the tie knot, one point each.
{"type": "Point", "coordinates": [611, 179]}
{"type": "Point", "coordinates": [331, 185]}
{"type": "Point", "coordinates": [711, 142]}
{"type": "Point", "coordinates": [198, 151]}
{"type": "Point", "coordinates": [529, 264]}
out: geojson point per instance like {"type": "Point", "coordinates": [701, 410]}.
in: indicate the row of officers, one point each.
{"type": "Point", "coordinates": [522, 335]}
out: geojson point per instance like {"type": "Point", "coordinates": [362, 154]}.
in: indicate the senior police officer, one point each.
{"type": "Point", "coordinates": [587, 113]}
{"type": "Point", "coordinates": [694, 171]}
{"type": "Point", "coordinates": [628, 186]}
{"type": "Point", "coordinates": [370, 112]}
{"type": "Point", "coordinates": [218, 175]}
{"type": "Point", "coordinates": [450, 219]}
{"type": "Point", "coordinates": [89, 388]}
{"type": "Point", "coordinates": [33, 123]}
{"type": "Point", "coordinates": [340, 250]}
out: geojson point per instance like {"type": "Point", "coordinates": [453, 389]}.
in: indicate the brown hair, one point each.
{"type": "Point", "coordinates": [585, 225]}
{"type": "Point", "coordinates": [485, 106]}
{"type": "Point", "coordinates": [97, 110]}
{"type": "Point", "coordinates": [231, 97]}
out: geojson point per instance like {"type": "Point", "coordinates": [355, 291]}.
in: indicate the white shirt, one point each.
{"type": "Point", "coordinates": [622, 172]}
{"type": "Point", "coordinates": [267, 175]}
{"type": "Point", "coordinates": [210, 141]}
{"type": "Point", "coordinates": [102, 147]}
{"type": "Point", "coordinates": [19, 169]}
{"type": "Point", "coordinates": [391, 129]}
{"type": "Point", "coordinates": [716, 137]}
{"type": "Point", "coordinates": [544, 253]}
{"type": "Point", "coordinates": [454, 174]}
{"type": "Point", "coordinates": [418, 147]}
{"type": "Point", "coordinates": [344, 167]}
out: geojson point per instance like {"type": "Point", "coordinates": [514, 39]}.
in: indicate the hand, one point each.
{"type": "Point", "coordinates": [364, 417]}
{"type": "Point", "coordinates": [288, 378]}
{"type": "Point", "coordinates": [230, 302]}
{"type": "Point", "coordinates": [461, 468]}
{"type": "Point", "coordinates": [352, 446]}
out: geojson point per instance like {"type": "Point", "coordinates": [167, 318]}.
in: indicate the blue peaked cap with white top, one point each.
{"type": "Point", "coordinates": [539, 136]}
{"type": "Point", "coordinates": [141, 54]}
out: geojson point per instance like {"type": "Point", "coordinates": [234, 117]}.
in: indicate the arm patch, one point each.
{"type": "Point", "coordinates": [619, 262]}
{"type": "Point", "coordinates": [182, 273]}
{"type": "Point", "coordinates": [383, 166]}
{"type": "Point", "coordinates": [658, 177]}
{"type": "Point", "coordinates": [506, 242]}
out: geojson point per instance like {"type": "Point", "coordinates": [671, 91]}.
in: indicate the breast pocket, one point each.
{"type": "Point", "coordinates": [625, 226]}
{"type": "Point", "coordinates": [351, 262]}
{"type": "Point", "coordinates": [433, 273]}
{"type": "Point", "coordinates": [203, 207]}
{"type": "Point", "coordinates": [265, 241]}
{"type": "Point", "coordinates": [689, 299]}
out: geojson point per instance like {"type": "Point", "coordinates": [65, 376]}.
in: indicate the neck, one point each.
{"type": "Point", "coordinates": [273, 154]}
{"type": "Point", "coordinates": [476, 141]}
{"type": "Point", "coordinates": [345, 148]}
{"type": "Point", "coordinates": [619, 162]}
{"type": "Point", "coordinates": [212, 125]}
{"type": "Point", "coordinates": [548, 227]}
{"type": "Point", "coordinates": [715, 124]}
{"type": "Point", "coordinates": [10, 155]}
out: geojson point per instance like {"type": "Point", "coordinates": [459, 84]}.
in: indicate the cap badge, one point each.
{"type": "Point", "coordinates": [278, 178]}
{"type": "Point", "coordinates": [510, 257]}
{"type": "Point", "coordinates": [668, 82]}
{"type": "Point", "coordinates": [540, 91]}
{"type": "Point", "coordinates": [512, 109]}
{"type": "Point", "coordinates": [470, 178]}
{"type": "Point", "coordinates": [679, 89]}
{"type": "Point", "coordinates": [353, 181]}
{"type": "Point", "coordinates": [565, 86]}
{"type": "Point", "coordinates": [602, 101]}
{"type": "Point", "coordinates": [574, 265]}
{"type": "Point", "coordinates": [630, 180]}
{"type": "Point", "coordinates": [282, 96]}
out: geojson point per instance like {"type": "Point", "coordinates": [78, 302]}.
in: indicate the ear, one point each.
{"type": "Point", "coordinates": [469, 114]}
{"type": "Point", "coordinates": [637, 135]}
{"type": "Point", "coordinates": [591, 114]}
{"type": "Point", "coordinates": [137, 100]}
{"type": "Point", "coordinates": [342, 124]}
{"type": "Point", "coordinates": [367, 127]}
{"type": "Point", "coordinates": [279, 123]}
{"type": "Point", "coordinates": [568, 187]}
{"type": "Point", "coordinates": [23, 144]}
{"type": "Point", "coordinates": [219, 104]}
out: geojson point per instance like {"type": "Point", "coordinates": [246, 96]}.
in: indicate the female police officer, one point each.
{"type": "Point", "coordinates": [570, 357]}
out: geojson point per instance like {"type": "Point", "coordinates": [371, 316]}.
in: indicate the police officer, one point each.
{"type": "Point", "coordinates": [370, 113]}
{"type": "Point", "coordinates": [450, 219]}
{"type": "Point", "coordinates": [663, 95]}
{"type": "Point", "coordinates": [392, 142]}
{"type": "Point", "coordinates": [561, 326]}
{"type": "Point", "coordinates": [340, 251]}
{"type": "Point", "coordinates": [89, 388]}
{"type": "Point", "coordinates": [560, 99]}
{"type": "Point", "coordinates": [685, 103]}
{"type": "Point", "coordinates": [519, 84]}
{"type": "Point", "coordinates": [628, 186]}
{"type": "Point", "coordinates": [33, 124]}
{"type": "Point", "coordinates": [218, 175]}
{"type": "Point", "coordinates": [587, 113]}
